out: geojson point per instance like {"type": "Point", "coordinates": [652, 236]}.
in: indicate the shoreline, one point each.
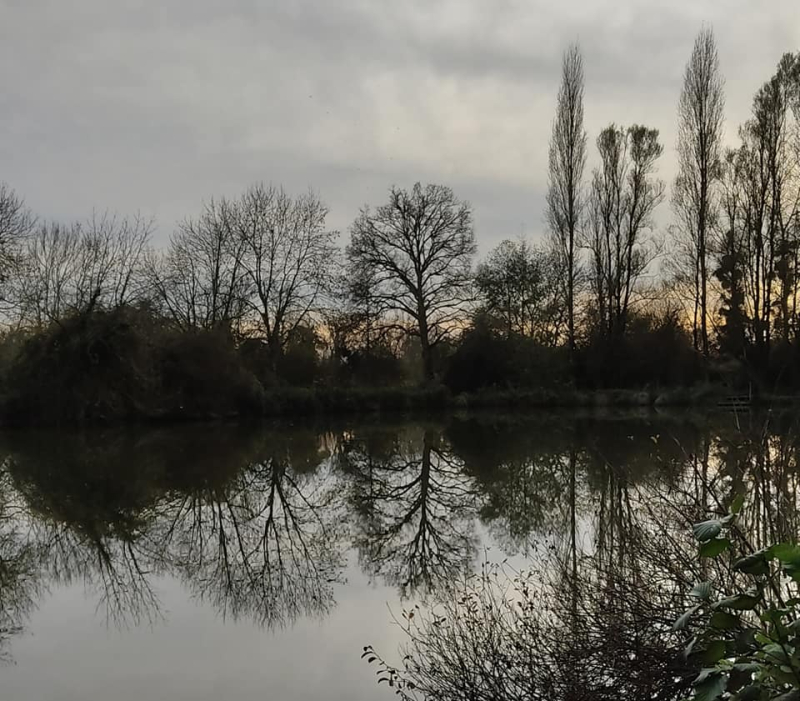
{"type": "Point", "coordinates": [312, 403]}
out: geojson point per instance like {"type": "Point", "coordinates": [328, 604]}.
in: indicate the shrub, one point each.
{"type": "Point", "coordinates": [749, 642]}
{"type": "Point", "coordinates": [93, 366]}
{"type": "Point", "coordinates": [202, 375]}
{"type": "Point", "coordinates": [127, 364]}
{"type": "Point", "coordinates": [652, 352]}
{"type": "Point", "coordinates": [485, 359]}
{"type": "Point", "coordinates": [298, 366]}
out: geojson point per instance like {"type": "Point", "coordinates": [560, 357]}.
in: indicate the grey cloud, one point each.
{"type": "Point", "coordinates": [134, 105]}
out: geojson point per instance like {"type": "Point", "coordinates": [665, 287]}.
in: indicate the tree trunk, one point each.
{"type": "Point", "coordinates": [571, 292]}
{"type": "Point", "coordinates": [425, 347]}
{"type": "Point", "coordinates": [704, 301]}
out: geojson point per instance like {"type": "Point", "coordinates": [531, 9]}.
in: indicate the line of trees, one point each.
{"type": "Point", "coordinates": [606, 299]}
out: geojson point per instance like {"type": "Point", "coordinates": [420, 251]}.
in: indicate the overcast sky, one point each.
{"type": "Point", "coordinates": [137, 105]}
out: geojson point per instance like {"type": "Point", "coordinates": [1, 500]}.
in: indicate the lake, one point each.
{"type": "Point", "coordinates": [213, 561]}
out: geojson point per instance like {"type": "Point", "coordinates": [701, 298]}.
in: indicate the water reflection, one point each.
{"type": "Point", "coordinates": [416, 507]}
{"type": "Point", "coordinates": [267, 546]}
{"type": "Point", "coordinates": [20, 560]}
{"type": "Point", "coordinates": [592, 617]}
{"type": "Point", "coordinates": [260, 523]}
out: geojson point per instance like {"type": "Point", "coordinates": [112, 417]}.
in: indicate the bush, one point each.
{"type": "Point", "coordinates": [653, 352]}
{"type": "Point", "coordinates": [376, 367]}
{"type": "Point", "coordinates": [256, 359]}
{"type": "Point", "coordinates": [486, 360]}
{"type": "Point", "coordinates": [202, 376]}
{"type": "Point", "coordinates": [126, 364]}
{"type": "Point", "coordinates": [783, 368]}
{"type": "Point", "coordinates": [749, 641]}
{"type": "Point", "coordinates": [298, 366]}
{"type": "Point", "coordinates": [93, 366]}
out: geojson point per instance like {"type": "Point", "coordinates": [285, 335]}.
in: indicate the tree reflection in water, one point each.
{"type": "Point", "coordinates": [88, 504]}
{"type": "Point", "coordinates": [417, 509]}
{"type": "Point", "coordinates": [592, 619]}
{"type": "Point", "coordinates": [258, 523]}
{"type": "Point", "coordinates": [268, 546]}
{"type": "Point", "coordinates": [224, 510]}
{"type": "Point", "coordinates": [20, 576]}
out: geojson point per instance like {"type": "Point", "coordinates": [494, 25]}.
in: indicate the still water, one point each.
{"type": "Point", "coordinates": [207, 562]}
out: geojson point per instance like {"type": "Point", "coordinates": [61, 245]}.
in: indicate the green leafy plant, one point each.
{"type": "Point", "coordinates": [747, 640]}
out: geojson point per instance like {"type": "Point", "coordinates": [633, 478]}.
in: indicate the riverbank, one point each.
{"type": "Point", "coordinates": [320, 402]}
{"type": "Point", "coordinates": [325, 401]}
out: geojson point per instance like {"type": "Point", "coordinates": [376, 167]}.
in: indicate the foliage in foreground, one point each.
{"type": "Point", "coordinates": [531, 636]}
{"type": "Point", "coordinates": [750, 641]}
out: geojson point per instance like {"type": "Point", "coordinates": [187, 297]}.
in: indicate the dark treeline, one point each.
{"type": "Point", "coordinates": [254, 300]}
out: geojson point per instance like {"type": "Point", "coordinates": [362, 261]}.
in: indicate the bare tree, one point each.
{"type": "Point", "coordinates": [354, 326]}
{"type": "Point", "coordinates": [200, 279]}
{"type": "Point", "coordinates": [518, 286]}
{"type": "Point", "coordinates": [16, 222]}
{"type": "Point", "coordinates": [46, 277]}
{"type": "Point", "coordinates": [287, 256]}
{"type": "Point", "coordinates": [566, 164]}
{"type": "Point", "coordinates": [622, 200]}
{"type": "Point", "coordinates": [112, 255]}
{"type": "Point", "coordinates": [773, 136]}
{"type": "Point", "coordinates": [730, 261]}
{"type": "Point", "coordinates": [65, 269]}
{"type": "Point", "coordinates": [418, 250]}
{"type": "Point", "coordinates": [700, 126]}
{"type": "Point", "coordinates": [16, 219]}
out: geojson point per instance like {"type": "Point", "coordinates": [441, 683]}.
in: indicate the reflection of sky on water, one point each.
{"type": "Point", "coordinates": [193, 654]}
{"type": "Point", "coordinates": [73, 656]}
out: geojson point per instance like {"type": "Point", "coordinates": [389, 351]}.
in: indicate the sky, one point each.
{"type": "Point", "coordinates": [153, 107]}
